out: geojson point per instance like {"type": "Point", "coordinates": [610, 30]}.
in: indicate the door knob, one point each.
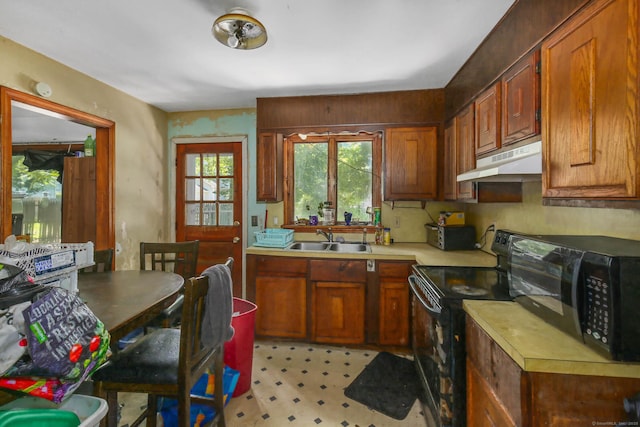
{"type": "Point", "coordinates": [236, 223]}
{"type": "Point", "coordinates": [236, 239]}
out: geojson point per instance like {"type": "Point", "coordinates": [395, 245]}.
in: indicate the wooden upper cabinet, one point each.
{"type": "Point", "coordinates": [411, 163]}
{"type": "Point", "coordinates": [465, 150]}
{"type": "Point", "coordinates": [488, 115]}
{"type": "Point", "coordinates": [269, 167]}
{"type": "Point", "coordinates": [521, 100]}
{"type": "Point", "coordinates": [450, 185]}
{"type": "Point", "coordinates": [590, 104]}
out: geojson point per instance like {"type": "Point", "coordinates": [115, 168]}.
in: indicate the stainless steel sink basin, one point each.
{"type": "Point", "coordinates": [309, 246]}
{"type": "Point", "coordinates": [329, 246]}
{"type": "Point", "coordinates": [349, 247]}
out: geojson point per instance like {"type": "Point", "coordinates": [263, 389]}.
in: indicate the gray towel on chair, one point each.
{"type": "Point", "coordinates": [216, 327]}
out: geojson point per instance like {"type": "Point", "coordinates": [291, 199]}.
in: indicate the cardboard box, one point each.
{"type": "Point", "coordinates": [454, 218]}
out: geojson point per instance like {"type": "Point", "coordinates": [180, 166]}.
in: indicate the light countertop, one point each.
{"type": "Point", "coordinates": [537, 346]}
{"type": "Point", "coordinates": [421, 253]}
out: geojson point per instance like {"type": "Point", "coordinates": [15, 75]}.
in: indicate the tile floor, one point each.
{"type": "Point", "coordinates": [297, 384]}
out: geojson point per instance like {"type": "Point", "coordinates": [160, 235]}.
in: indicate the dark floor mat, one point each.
{"type": "Point", "coordinates": [389, 385]}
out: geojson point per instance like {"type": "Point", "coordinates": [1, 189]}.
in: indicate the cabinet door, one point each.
{"type": "Point", "coordinates": [269, 170]}
{"type": "Point", "coordinates": [79, 200]}
{"type": "Point", "coordinates": [484, 409]}
{"type": "Point", "coordinates": [465, 150]}
{"type": "Point", "coordinates": [450, 162]}
{"type": "Point", "coordinates": [488, 117]}
{"type": "Point", "coordinates": [521, 100]}
{"type": "Point", "coordinates": [411, 163]}
{"type": "Point", "coordinates": [590, 104]}
{"type": "Point", "coordinates": [282, 303]}
{"type": "Point", "coordinates": [394, 313]}
{"type": "Point", "coordinates": [338, 312]}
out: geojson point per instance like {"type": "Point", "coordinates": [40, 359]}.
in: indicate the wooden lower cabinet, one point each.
{"type": "Point", "coordinates": [279, 289]}
{"type": "Point", "coordinates": [282, 303]}
{"type": "Point", "coordinates": [500, 393]}
{"type": "Point", "coordinates": [334, 301]}
{"type": "Point", "coordinates": [393, 321]}
{"type": "Point", "coordinates": [338, 309]}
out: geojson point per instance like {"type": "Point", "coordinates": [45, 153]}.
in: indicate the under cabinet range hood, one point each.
{"type": "Point", "coordinates": [519, 164]}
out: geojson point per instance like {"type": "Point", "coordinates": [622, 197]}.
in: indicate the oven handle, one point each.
{"type": "Point", "coordinates": [433, 312]}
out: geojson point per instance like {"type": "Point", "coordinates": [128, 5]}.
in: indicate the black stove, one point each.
{"type": "Point", "coordinates": [438, 328]}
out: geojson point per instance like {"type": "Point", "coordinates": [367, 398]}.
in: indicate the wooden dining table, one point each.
{"type": "Point", "coordinates": [128, 299]}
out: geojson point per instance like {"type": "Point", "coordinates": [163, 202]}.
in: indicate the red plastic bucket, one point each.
{"type": "Point", "coordinates": [238, 351]}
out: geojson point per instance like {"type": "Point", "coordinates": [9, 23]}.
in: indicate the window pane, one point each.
{"type": "Point", "coordinates": [192, 164]}
{"type": "Point", "coordinates": [355, 178]}
{"type": "Point", "coordinates": [191, 189]}
{"type": "Point", "coordinates": [310, 172]}
{"type": "Point", "coordinates": [192, 214]}
{"type": "Point", "coordinates": [210, 188]}
{"type": "Point", "coordinates": [209, 211]}
{"type": "Point", "coordinates": [226, 188]}
{"type": "Point", "coordinates": [209, 163]}
{"type": "Point", "coordinates": [226, 164]}
{"type": "Point", "coordinates": [226, 213]}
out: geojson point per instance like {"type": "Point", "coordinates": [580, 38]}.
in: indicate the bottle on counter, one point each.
{"type": "Point", "coordinates": [89, 147]}
{"type": "Point", "coordinates": [386, 237]}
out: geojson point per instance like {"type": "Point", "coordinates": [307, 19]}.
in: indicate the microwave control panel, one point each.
{"type": "Point", "coordinates": [597, 303]}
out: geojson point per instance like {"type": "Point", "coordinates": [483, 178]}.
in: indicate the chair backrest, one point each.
{"type": "Point", "coordinates": [195, 355]}
{"type": "Point", "coordinates": [179, 257]}
{"type": "Point", "coordinates": [103, 261]}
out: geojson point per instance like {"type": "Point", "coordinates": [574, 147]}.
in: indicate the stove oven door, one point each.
{"type": "Point", "coordinates": [428, 352]}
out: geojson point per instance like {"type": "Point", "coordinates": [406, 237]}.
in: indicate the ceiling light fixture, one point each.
{"type": "Point", "coordinates": [238, 30]}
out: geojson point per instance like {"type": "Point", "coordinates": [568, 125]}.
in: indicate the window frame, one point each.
{"type": "Point", "coordinates": [332, 184]}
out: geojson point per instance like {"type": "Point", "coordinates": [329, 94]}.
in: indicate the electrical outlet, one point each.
{"type": "Point", "coordinates": [396, 222]}
{"type": "Point", "coordinates": [371, 265]}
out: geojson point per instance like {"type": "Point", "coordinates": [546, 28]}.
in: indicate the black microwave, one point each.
{"type": "Point", "coordinates": [587, 286]}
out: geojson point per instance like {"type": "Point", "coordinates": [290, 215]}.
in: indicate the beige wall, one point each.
{"type": "Point", "coordinates": [141, 201]}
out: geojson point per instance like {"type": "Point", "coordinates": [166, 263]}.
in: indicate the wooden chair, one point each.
{"type": "Point", "coordinates": [103, 261]}
{"type": "Point", "coordinates": [167, 362]}
{"type": "Point", "coordinates": [180, 258]}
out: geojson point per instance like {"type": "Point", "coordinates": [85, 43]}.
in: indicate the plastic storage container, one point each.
{"type": "Point", "coordinates": [238, 351]}
{"type": "Point", "coordinates": [89, 409]}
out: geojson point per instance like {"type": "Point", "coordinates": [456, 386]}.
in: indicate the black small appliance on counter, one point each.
{"type": "Point", "coordinates": [451, 237]}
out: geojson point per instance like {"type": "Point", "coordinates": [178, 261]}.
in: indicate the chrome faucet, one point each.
{"type": "Point", "coordinates": [328, 235]}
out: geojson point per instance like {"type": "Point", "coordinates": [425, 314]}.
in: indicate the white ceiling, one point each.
{"type": "Point", "coordinates": [163, 53]}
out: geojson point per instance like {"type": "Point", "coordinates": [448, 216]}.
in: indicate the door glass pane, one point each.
{"type": "Point", "coordinates": [310, 163]}
{"type": "Point", "coordinates": [355, 178]}
{"type": "Point", "coordinates": [226, 213]}
{"type": "Point", "coordinates": [191, 189]}
{"type": "Point", "coordinates": [192, 164]}
{"type": "Point", "coordinates": [210, 189]}
{"type": "Point", "coordinates": [226, 188]}
{"type": "Point", "coordinates": [192, 214]}
{"type": "Point", "coordinates": [209, 162]}
{"type": "Point", "coordinates": [209, 212]}
{"type": "Point", "coordinates": [226, 164]}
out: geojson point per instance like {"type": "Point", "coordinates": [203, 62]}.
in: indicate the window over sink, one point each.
{"type": "Point", "coordinates": [343, 169]}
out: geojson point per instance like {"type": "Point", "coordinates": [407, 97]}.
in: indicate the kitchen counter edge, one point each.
{"type": "Point", "coordinates": [537, 346]}
{"type": "Point", "coordinates": [422, 253]}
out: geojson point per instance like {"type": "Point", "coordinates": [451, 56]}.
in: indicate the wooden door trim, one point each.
{"type": "Point", "coordinates": [244, 140]}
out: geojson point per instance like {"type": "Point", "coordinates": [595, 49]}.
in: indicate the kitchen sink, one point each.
{"type": "Point", "coordinates": [349, 247]}
{"type": "Point", "coordinates": [309, 246]}
{"type": "Point", "coordinates": [329, 246]}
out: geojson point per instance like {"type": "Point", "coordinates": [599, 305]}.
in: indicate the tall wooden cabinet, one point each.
{"type": "Point", "coordinates": [411, 163]}
{"type": "Point", "coordinates": [269, 167]}
{"type": "Point", "coordinates": [450, 184]}
{"type": "Point", "coordinates": [79, 200]}
{"type": "Point", "coordinates": [590, 104]}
